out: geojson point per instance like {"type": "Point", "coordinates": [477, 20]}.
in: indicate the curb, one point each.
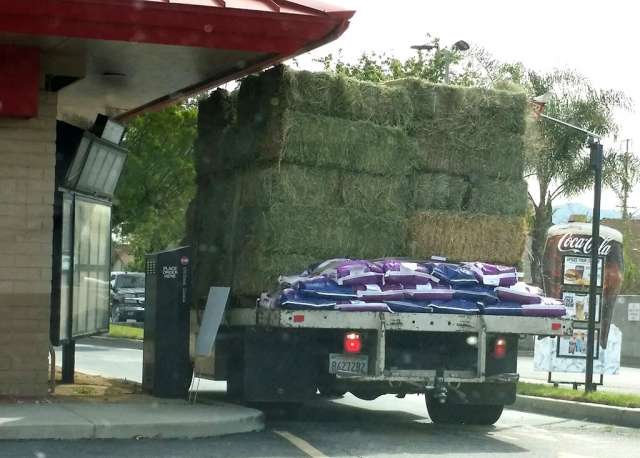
{"type": "Point", "coordinates": [78, 421]}
{"type": "Point", "coordinates": [618, 416]}
{"type": "Point", "coordinates": [104, 341]}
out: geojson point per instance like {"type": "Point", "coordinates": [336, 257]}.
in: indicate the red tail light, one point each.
{"type": "Point", "coordinates": [352, 342]}
{"type": "Point", "coordinates": [500, 348]}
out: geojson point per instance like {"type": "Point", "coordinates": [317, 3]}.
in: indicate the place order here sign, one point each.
{"type": "Point", "coordinates": [634, 312]}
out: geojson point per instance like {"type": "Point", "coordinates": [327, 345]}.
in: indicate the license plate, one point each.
{"type": "Point", "coordinates": [131, 313]}
{"type": "Point", "coordinates": [355, 364]}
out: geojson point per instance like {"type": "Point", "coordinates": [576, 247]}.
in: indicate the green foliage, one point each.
{"type": "Point", "coordinates": [381, 67]}
{"type": "Point", "coordinates": [608, 399]}
{"type": "Point", "coordinates": [624, 174]}
{"type": "Point", "coordinates": [158, 181]}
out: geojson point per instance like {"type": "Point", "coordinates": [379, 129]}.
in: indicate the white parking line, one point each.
{"type": "Point", "coordinates": [571, 455]}
{"type": "Point", "coordinates": [303, 445]}
{"type": "Point", "coordinates": [543, 437]}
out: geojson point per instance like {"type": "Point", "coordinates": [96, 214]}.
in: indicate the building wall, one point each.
{"type": "Point", "coordinates": [27, 164]}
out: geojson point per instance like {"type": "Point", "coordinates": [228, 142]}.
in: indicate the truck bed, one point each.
{"type": "Point", "coordinates": [322, 319]}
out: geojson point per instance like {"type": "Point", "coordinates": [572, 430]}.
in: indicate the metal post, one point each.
{"type": "Point", "coordinates": [68, 362]}
{"type": "Point", "coordinates": [596, 164]}
{"type": "Point", "coordinates": [447, 62]}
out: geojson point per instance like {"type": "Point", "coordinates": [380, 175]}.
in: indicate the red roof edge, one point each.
{"type": "Point", "coordinates": [330, 10]}
{"type": "Point", "coordinates": [219, 80]}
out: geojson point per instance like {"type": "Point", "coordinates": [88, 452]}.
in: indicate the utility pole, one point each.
{"type": "Point", "coordinates": [625, 181]}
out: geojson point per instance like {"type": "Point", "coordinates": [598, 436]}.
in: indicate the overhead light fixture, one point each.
{"type": "Point", "coordinates": [108, 129]}
{"type": "Point", "coordinates": [96, 167]}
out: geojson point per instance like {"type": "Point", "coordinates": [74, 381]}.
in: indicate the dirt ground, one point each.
{"type": "Point", "coordinates": [90, 388]}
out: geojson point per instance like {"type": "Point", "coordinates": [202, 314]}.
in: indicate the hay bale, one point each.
{"type": "Point", "coordinates": [267, 95]}
{"type": "Point", "coordinates": [215, 114]}
{"type": "Point", "coordinates": [290, 184]}
{"type": "Point", "coordinates": [466, 237]}
{"type": "Point", "coordinates": [437, 191]}
{"type": "Point", "coordinates": [492, 196]}
{"type": "Point", "coordinates": [325, 232]}
{"type": "Point", "coordinates": [313, 186]}
{"type": "Point", "coordinates": [374, 194]}
{"type": "Point", "coordinates": [255, 273]}
{"type": "Point", "coordinates": [319, 141]}
{"type": "Point", "coordinates": [503, 110]}
{"type": "Point", "coordinates": [473, 150]}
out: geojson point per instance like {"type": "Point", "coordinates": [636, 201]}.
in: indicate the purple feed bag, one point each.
{"type": "Point", "coordinates": [454, 275]}
{"type": "Point", "coordinates": [520, 293]}
{"type": "Point", "coordinates": [324, 287]}
{"type": "Point", "coordinates": [293, 301]}
{"type": "Point", "coordinates": [456, 307]}
{"type": "Point", "coordinates": [428, 292]}
{"type": "Point", "coordinates": [314, 269]}
{"type": "Point", "coordinates": [493, 275]}
{"type": "Point", "coordinates": [361, 306]}
{"type": "Point", "coordinates": [377, 293]}
{"type": "Point", "coordinates": [405, 272]}
{"type": "Point", "coordinates": [410, 306]}
{"type": "Point", "coordinates": [551, 308]}
{"type": "Point", "coordinates": [476, 293]}
{"type": "Point", "coordinates": [502, 308]}
{"type": "Point", "coordinates": [355, 273]}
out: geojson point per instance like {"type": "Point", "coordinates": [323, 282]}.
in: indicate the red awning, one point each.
{"type": "Point", "coordinates": [275, 26]}
{"type": "Point", "coordinates": [260, 33]}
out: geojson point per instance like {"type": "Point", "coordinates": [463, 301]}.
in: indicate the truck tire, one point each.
{"type": "Point", "coordinates": [467, 414]}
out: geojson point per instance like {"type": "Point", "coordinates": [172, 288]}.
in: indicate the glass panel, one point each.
{"type": "Point", "coordinates": [65, 271]}
{"type": "Point", "coordinates": [92, 255]}
{"type": "Point", "coordinates": [76, 165]}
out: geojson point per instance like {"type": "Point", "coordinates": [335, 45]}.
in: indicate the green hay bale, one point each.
{"type": "Point", "coordinates": [256, 272]}
{"type": "Point", "coordinates": [503, 110]}
{"type": "Point", "coordinates": [325, 232]}
{"type": "Point", "coordinates": [466, 237]}
{"type": "Point", "coordinates": [215, 114]}
{"type": "Point", "coordinates": [499, 197]}
{"type": "Point", "coordinates": [471, 151]}
{"type": "Point", "coordinates": [355, 146]}
{"type": "Point", "coordinates": [437, 191]}
{"type": "Point", "coordinates": [290, 184]}
{"type": "Point", "coordinates": [366, 193]}
{"type": "Point", "coordinates": [319, 141]}
{"type": "Point", "coordinates": [268, 94]}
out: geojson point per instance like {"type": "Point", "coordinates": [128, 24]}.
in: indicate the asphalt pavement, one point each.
{"type": "Point", "coordinates": [347, 427]}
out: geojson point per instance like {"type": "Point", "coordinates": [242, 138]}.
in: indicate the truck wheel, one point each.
{"type": "Point", "coordinates": [458, 414]}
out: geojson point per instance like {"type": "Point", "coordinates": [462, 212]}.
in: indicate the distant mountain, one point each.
{"type": "Point", "coordinates": [561, 213]}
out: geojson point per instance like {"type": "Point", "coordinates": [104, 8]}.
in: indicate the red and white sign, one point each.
{"type": "Point", "coordinates": [184, 260]}
{"type": "Point", "coordinates": [538, 103]}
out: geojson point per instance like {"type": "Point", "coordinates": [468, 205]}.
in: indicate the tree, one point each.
{"type": "Point", "coordinates": [381, 67]}
{"type": "Point", "coordinates": [158, 181]}
{"type": "Point", "coordinates": [625, 174]}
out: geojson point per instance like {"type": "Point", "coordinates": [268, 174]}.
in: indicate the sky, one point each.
{"type": "Point", "coordinates": [592, 37]}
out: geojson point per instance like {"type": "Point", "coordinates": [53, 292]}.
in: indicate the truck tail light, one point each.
{"type": "Point", "coordinates": [352, 342]}
{"type": "Point", "coordinates": [500, 348]}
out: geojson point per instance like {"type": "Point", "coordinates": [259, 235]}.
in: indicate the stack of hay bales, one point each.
{"type": "Point", "coordinates": [298, 167]}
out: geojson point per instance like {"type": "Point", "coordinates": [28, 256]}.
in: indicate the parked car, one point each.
{"type": "Point", "coordinates": [127, 296]}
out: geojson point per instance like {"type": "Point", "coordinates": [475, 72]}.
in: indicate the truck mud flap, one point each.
{"type": "Point", "coordinates": [278, 366]}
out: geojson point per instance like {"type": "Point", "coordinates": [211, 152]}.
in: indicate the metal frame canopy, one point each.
{"type": "Point", "coordinates": [276, 29]}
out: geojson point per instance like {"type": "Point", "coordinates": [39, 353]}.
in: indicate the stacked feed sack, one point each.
{"type": "Point", "coordinates": [298, 167]}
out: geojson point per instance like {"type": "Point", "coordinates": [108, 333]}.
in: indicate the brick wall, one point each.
{"type": "Point", "coordinates": [27, 163]}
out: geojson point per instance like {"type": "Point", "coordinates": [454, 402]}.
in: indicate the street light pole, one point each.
{"type": "Point", "coordinates": [596, 165]}
{"type": "Point", "coordinates": [447, 62]}
{"type": "Point", "coordinates": [596, 159]}
{"type": "Point", "coordinates": [459, 45]}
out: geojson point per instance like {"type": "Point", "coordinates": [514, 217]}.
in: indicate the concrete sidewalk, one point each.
{"type": "Point", "coordinates": [125, 421]}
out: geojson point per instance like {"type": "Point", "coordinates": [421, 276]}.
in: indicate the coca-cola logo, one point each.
{"type": "Point", "coordinates": [582, 245]}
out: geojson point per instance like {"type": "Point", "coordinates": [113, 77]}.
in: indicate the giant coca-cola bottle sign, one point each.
{"type": "Point", "coordinates": [567, 271]}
